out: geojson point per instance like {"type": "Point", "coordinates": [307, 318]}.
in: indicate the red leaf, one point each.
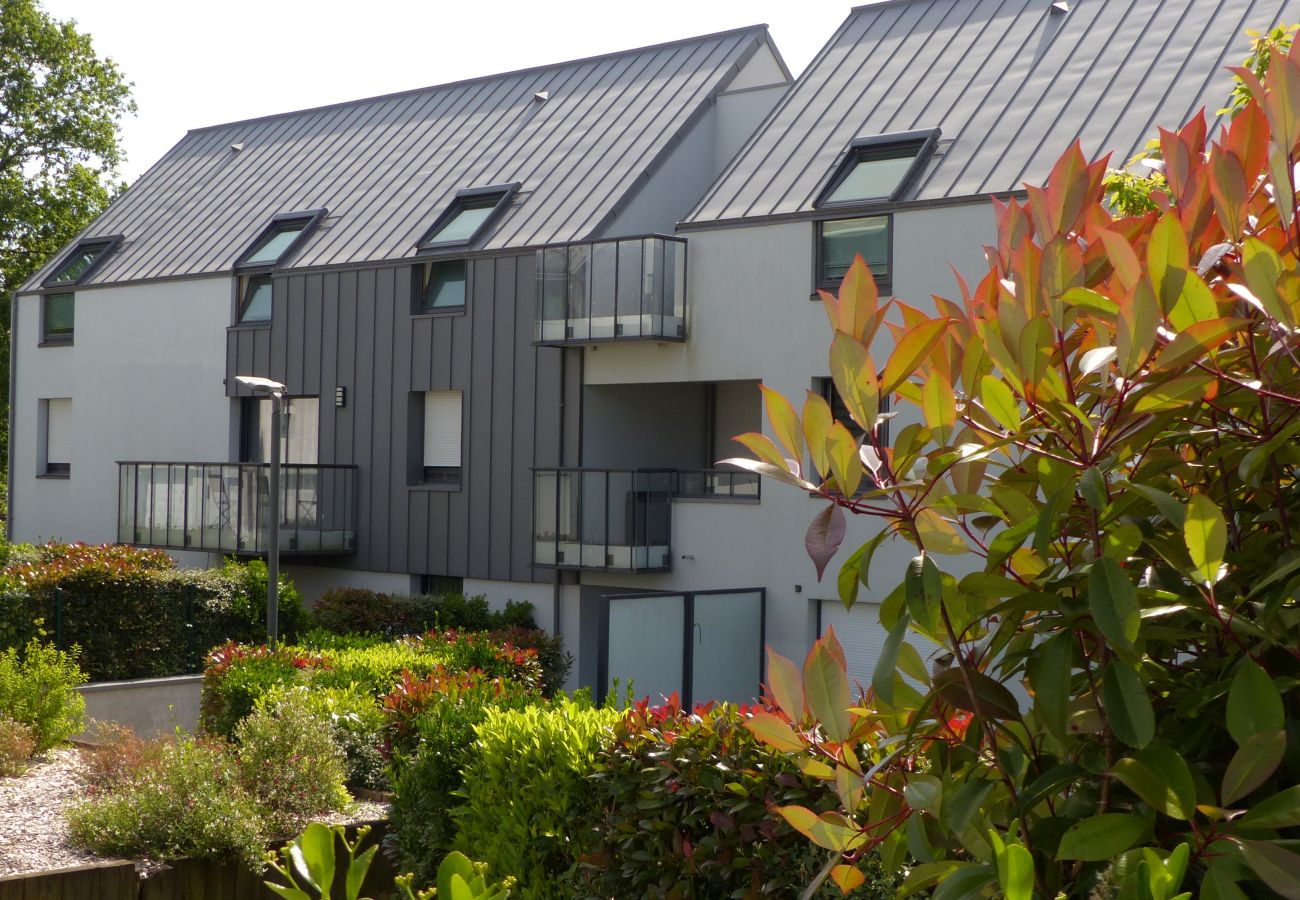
{"type": "Point", "coordinates": [824, 537]}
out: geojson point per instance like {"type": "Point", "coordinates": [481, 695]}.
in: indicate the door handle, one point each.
{"type": "Point", "coordinates": [699, 632]}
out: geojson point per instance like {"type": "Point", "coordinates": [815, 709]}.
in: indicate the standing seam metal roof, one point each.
{"type": "Point", "coordinates": [1009, 82]}
{"type": "Point", "coordinates": [386, 167]}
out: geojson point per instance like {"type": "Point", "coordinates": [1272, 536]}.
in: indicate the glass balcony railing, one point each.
{"type": "Point", "coordinates": [619, 290]}
{"type": "Point", "coordinates": [620, 520]}
{"type": "Point", "coordinates": [225, 507]}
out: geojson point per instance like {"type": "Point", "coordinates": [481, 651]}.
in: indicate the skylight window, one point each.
{"type": "Point", "coordinates": [279, 239]}
{"type": "Point", "coordinates": [878, 168]}
{"type": "Point", "coordinates": [468, 216]}
{"type": "Point", "coordinates": [81, 263]}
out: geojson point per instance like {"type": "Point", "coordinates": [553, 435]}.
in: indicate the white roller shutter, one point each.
{"type": "Point", "coordinates": [863, 637]}
{"type": "Point", "coordinates": [442, 415]}
{"type": "Point", "coordinates": [58, 431]}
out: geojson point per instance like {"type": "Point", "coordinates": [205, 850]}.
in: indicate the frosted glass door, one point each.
{"type": "Point", "coordinates": [726, 656]}
{"type": "Point", "coordinates": [646, 644]}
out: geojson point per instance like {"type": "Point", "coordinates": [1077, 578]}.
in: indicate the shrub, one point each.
{"type": "Point", "coordinates": [117, 755]}
{"type": "Point", "coordinates": [191, 803]}
{"type": "Point", "coordinates": [348, 610]}
{"type": "Point", "coordinates": [687, 808]}
{"type": "Point", "coordinates": [134, 614]}
{"type": "Point", "coordinates": [16, 747]}
{"type": "Point", "coordinates": [525, 785]}
{"type": "Point", "coordinates": [38, 689]}
{"type": "Point", "coordinates": [290, 765]}
{"type": "Point", "coordinates": [356, 725]}
{"type": "Point", "coordinates": [237, 677]}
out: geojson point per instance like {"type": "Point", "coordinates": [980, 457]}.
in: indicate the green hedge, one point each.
{"type": "Point", "coordinates": [131, 612]}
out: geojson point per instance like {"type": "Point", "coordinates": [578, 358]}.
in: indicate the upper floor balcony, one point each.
{"type": "Point", "coordinates": [620, 520]}
{"type": "Point", "coordinates": [629, 289]}
{"type": "Point", "coordinates": [225, 507]}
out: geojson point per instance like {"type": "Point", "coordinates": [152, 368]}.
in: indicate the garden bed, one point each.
{"type": "Point", "coordinates": [34, 834]}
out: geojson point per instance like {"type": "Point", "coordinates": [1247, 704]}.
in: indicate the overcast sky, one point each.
{"type": "Point", "coordinates": [195, 64]}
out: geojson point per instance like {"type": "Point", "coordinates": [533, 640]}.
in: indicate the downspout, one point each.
{"type": "Point", "coordinates": [9, 447]}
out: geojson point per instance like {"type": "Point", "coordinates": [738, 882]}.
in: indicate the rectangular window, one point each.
{"type": "Point", "coordinates": [878, 168]}
{"type": "Point", "coordinates": [255, 302]}
{"type": "Point", "coordinates": [278, 240]}
{"type": "Point", "coordinates": [442, 437]}
{"type": "Point", "coordinates": [299, 432]}
{"type": "Point", "coordinates": [82, 262]}
{"type": "Point", "coordinates": [442, 286]}
{"type": "Point", "coordinates": [841, 412]}
{"type": "Point", "coordinates": [839, 241]}
{"type": "Point", "coordinates": [441, 585]}
{"type": "Point", "coordinates": [468, 215]}
{"type": "Point", "coordinates": [57, 458]}
{"type": "Point", "coordinates": [57, 318]}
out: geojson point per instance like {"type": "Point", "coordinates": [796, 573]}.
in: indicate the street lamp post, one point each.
{"type": "Point", "coordinates": [275, 391]}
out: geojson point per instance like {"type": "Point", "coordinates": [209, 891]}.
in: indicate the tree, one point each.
{"type": "Point", "coordinates": [60, 111]}
{"type": "Point", "coordinates": [1109, 422]}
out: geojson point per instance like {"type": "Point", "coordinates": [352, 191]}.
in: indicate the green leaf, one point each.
{"type": "Point", "coordinates": [1102, 837]}
{"type": "Point", "coordinates": [1161, 777]}
{"type": "Point", "coordinates": [785, 422]}
{"type": "Point", "coordinates": [848, 580]}
{"type": "Point", "coordinates": [1016, 873]}
{"type": "Point", "coordinates": [927, 875]}
{"type": "Point", "coordinates": [454, 865]}
{"type": "Point", "coordinates": [910, 351]}
{"type": "Point", "coordinates": [964, 882]}
{"type": "Point", "coordinates": [868, 550]}
{"type": "Point", "coordinates": [1046, 530]}
{"type": "Point", "coordinates": [357, 870]}
{"type": "Point", "coordinates": [1166, 504]}
{"type": "Point", "coordinates": [1252, 764]}
{"type": "Point", "coordinates": [1282, 810]}
{"type": "Point", "coordinates": [1276, 867]}
{"type": "Point", "coordinates": [923, 792]}
{"type": "Point", "coordinates": [992, 699]}
{"type": "Point", "coordinates": [1000, 403]}
{"type": "Point", "coordinates": [962, 805]}
{"type": "Point", "coordinates": [1092, 488]}
{"type": "Point", "coordinates": [1254, 703]}
{"type": "Point", "coordinates": [317, 855]}
{"type": "Point", "coordinates": [1049, 676]}
{"type": "Point", "coordinates": [882, 676]}
{"type": "Point", "coordinates": [775, 732]}
{"type": "Point", "coordinates": [1175, 393]}
{"type": "Point", "coordinates": [1128, 708]}
{"type": "Point", "coordinates": [826, 687]}
{"type": "Point", "coordinates": [288, 893]}
{"type": "Point", "coordinates": [786, 684]}
{"type": "Point", "coordinates": [1206, 535]}
{"type": "Point", "coordinates": [1113, 602]}
{"type": "Point", "coordinates": [923, 592]}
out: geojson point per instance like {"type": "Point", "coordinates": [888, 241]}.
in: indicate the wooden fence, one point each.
{"type": "Point", "coordinates": [185, 879]}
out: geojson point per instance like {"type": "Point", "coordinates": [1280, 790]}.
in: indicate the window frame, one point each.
{"type": "Point", "coordinates": [47, 469]}
{"type": "Point", "coordinates": [884, 283]}
{"type": "Point", "coordinates": [420, 280]}
{"type": "Point", "coordinates": [825, 388]}
{"type": "Point", "coordinates": [245, 282]}
{"type": "Point", "coordinates": [106, 245]}
{"type": "Point", "coordinates": [57, 340]}
{"type": "Point", "coordinates": [878, 146]}
{"type": "Point", "coordinates": [462, 200]}
{"type": "Point", "coordinates": [448, 478]}
{"type": "Point", "coordinates": [310, 219]}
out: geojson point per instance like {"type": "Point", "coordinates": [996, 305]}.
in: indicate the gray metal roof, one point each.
{"type": "Point", "coordinates": [386, 167]}
{"type": "Point", "coordinates": [1009, 82]}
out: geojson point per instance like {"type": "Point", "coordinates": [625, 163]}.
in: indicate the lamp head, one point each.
{"type": "Point", "coordinates": [260, 384]}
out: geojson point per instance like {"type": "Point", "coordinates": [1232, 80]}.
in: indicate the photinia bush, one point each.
{"type": "Point", "coordinates": [1108, 426]}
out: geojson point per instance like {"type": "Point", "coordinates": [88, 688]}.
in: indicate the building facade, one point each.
{"type": "Point", "coordinates": [520, 318]}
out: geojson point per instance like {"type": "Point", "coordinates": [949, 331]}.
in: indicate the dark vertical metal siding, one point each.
{"type": "Point", "coordinates": [355, 329]}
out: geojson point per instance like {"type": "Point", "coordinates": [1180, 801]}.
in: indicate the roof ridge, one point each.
{"type": "Point", "coordinates": [717, 35]}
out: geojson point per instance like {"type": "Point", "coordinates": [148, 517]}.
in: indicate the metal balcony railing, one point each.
{"type": "Point", "coordinates": [225, 507]}
{"type": "Point", "coordinates": [616, 290]}
{"type": "Point", "coordinates": [619, 520]}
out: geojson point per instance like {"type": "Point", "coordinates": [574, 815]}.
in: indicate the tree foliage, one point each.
{"type": "Point", "coordinates": [60, 110]}
{"type": "Point", "coordinates": [1108, 424]}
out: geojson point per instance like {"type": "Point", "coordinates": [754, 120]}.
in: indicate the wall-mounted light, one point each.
{"type": "Point", "coordinates": [340, 396]}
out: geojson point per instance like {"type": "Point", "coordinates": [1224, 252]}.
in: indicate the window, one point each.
{"type": "Point", "coordinates": [82, 262]}
{"type": "Point", "coordinates": [280, 238]}
{"type": "Point", "coordinates": [57, 318]}
{"type": "Point", "coordinates": [56, 455]}
{"type": "Point", "coordinates": [839, 241]}
{"type": "Point", "coordinates": [442, 428]}
{"type": "Point", "coordinates": [299, 432]}
{"type": "Point", "coordinates": [441, 585]}
{"type": "Point", "coordinates": [840, 412]}
{"type": "Point", "coordinates": [468, 215]}
{"type": "Point", "coordinates": [441, 286]}
{"type": "Point", "coordinates": [255, 301]}
{"type": "Point", "coordinates": [878, 168]}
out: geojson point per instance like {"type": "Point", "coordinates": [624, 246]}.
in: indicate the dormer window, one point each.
{"type": "Point", "coordinates": [878, 169]}
{"type": "Point", "coordinates": [278, 240]}
{"type": "Point", "coordinates": [82, 262]}
{"type": "Point", "coordinates": [469, 214]}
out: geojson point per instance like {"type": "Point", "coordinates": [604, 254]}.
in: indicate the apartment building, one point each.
{"type": "Point", "coordinates": [519, 318]}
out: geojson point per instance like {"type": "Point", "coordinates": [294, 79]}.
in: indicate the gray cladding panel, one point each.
{"type": "Point", "coordinates": [355, 329]}
{"type": "Point", "coordinates": [1010, 83]}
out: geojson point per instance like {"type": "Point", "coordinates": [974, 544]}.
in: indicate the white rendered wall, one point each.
{"type": "Point", "coordinates": [750, 317]}
{"type": "Point", "coordinates": [145, 376]}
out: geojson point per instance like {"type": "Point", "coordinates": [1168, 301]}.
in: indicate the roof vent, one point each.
{"type": "Point", "coordinates": [237, 147]}
{"type": "Point", "coordinates": [542, 96]}
{"type": "Point", "coordinates": [1061, 6]}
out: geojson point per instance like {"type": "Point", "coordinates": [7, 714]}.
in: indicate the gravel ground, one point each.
{"type": "Point", "coordinates": [34, 835]}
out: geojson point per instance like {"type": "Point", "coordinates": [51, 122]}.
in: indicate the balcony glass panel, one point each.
{"type": "Point", "coordinates": [225, 507]}
{"type": "Point", "coordinates": [607, 519]}
{"type": "Point", "coordinates": [627, 289]}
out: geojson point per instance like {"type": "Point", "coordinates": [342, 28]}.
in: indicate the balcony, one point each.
{"type": "Point", "coordinates": [631, 289]}
{"type": "Point", "coordinates": [224, 507]}
{"type": "Point", "coordinates": [620, 520]}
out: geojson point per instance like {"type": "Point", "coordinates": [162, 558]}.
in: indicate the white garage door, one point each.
{"type": "Point", "coordinates": [863, 637]}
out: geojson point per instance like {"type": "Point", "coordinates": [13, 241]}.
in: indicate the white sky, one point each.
{"type": "Point", "coordinates": [201, 63]}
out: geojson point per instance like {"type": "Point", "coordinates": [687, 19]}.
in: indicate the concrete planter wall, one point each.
{"type": "Point", "coordinates": [149, 706]}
